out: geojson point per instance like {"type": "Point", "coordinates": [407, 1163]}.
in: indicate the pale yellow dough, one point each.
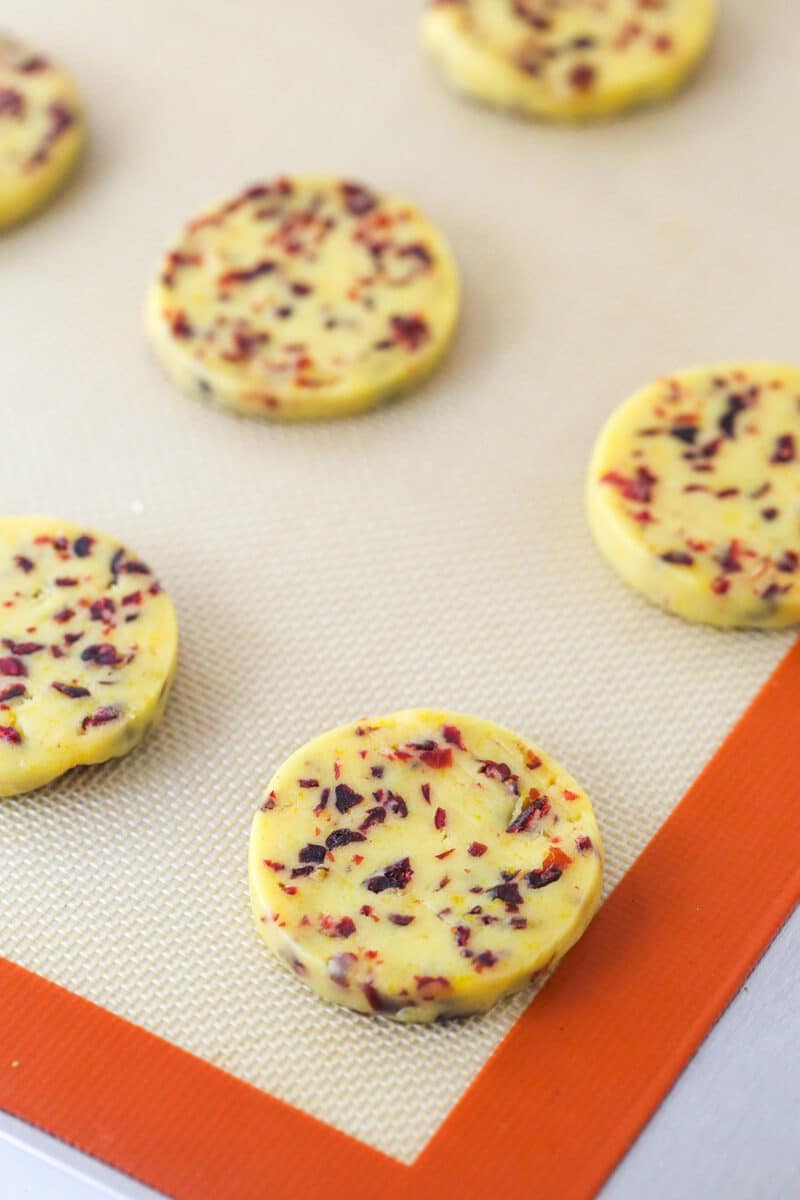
{"type": "Point", "coordinates": [41, 129]}
{"type": "Point", "coordinates": [567, 59]}
{"type": "Point", "coordinates": [423, 864]}
{"type": "Point", "coordinates": [88, 646]}
{"type": "Point", "coordinates": [302, 298]}
{"type": "Point", "coordinates": [694, 494]}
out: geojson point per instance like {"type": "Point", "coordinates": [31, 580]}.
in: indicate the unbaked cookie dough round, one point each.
{"type": "Point", "coordinates": [305, 297]}
{"type": "Point", "coordinates": [567, 59]}
{"type": "Point", "coordinates": [423, 864]}
{"type": "Point", "coordinates": [41, 129]}
{"type": "Point", "coordinates": [88, 646]}
{"type": "Point", "coordinates": [694, 494]}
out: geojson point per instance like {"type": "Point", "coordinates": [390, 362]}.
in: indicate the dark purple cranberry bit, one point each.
{"type": "Point", "coordinates": [132, 598]}
{"type": "Point", "coordinates": [23, 563]}
{"type": "Point", "coordinates": [116, 562]}
{"type": "Point", "coordinates": [440, 818]}
{"type": "Point", "coordinates": [727, 493]}
{"type": "Point", "coordinates": [477, 849]}
{"type": "Point", "coordinates": [417, 251]}
{"type": "Point", "coordinates": [400, 918]}
{"type": "Point", "coordinates": [396, 804]}
{"type": "Point", "coordinates": [358, 200]}
{"type": "Point", "coordinates": [308, 783]}
{"type": "Point", "coordinates": [769, 514]}
{"type": "Point", "coordinates": [527, 12]}
{"type": "Point", "coordinates": [10, 735]}
{"type": "Point", "coordinates": [12, 666]}
{"type": "Point", "coordinates": [338, 927]}
{"type": "Point", "coordinates": [70, 690]}
{"type": "Point", "coordinates": [244, 346]}
{"type": "Point", "coordinates": [60, 543]}
{"type": "Point", "coordinates": [677, 558]}
{"type": "Point", "coordinates": [103, 654]}
{"type": "Point", "coordinates": [71, 638]}
{"type": "Point", "coordinates": [102, 717]}
{"type": "Point", "coordinates": [103, 609]}
{"type": "Point", "coordinates": [339, 967]}
{"type": "Point", "coordinates": [452, 736]}
{"type": "Point", "coordinates": [529, 815]}
{"type": "Point", "coordinates": [583, 843]}
{"type": "Point", "coordinates": [509, 893]}
{"type": "Point", "coordinates": [82, 546]}
{"type": "Point", "coordinates": [788, 562]}
{"type": "Point", "coordinates": [22, 648]}
{"type": "Point", "coordinates": [376, 1000]}
{"type": "Point", "coordinates": [484, 960]}
{"type": "Point", "coordinates": [33, 65]}
{"type": "Point", "coordinates": [312, 853]}
{"type": "Point", "coordinates": [301, 289]}
{"type": "Point", "coordinates": [284, 312]}
{"type": "Point", "coordinates": [543, 877]}
{"type": "Point", "coordinates": [375, 816]}
{"type": "Point", "coordinates": [247, 274]}
{"type": "Point", "coordinates": [136, 568]}
{"type": "Point", "coordinates": [66, 581]}
{"type": "Point", "coordinates": [773, 591]}
{"type": "Point", "coordinates": [13, 692]}
{"type": "Point", "coordinates": [729, 560]}
{"type": "Point", "coordinates": [343, 837]}
{"type": "Point", "coordinates": [727, 422]}
{"type": "Point", "coordinates": [581, 77]}
{"type": "Point", "coordinates": [685, 433]}
{"type": "Point", "coordinates": [640, 488]}
{"type": "Point", "coordinates": [12, 103]}
{"type": "Point", "coordinates": [397, 875]}
{"type": "Point", "coordinates": [785, 450]}
{"type": "Point", "coordinates": [430, 987]}
{"type": "Point", "coordinates": [376, 772]}
{"type": "Point", "coordinates": [323, 801]}
{"type": "Point", "coordinates": [346, 798]}
{"type": "Point", "coordinates": [297, 872]}
{"type": "Point", "coordinates": [426, 792]}
{"type": "Point", "coordinates": [410, 331]}
{"type": "Point", "coordinates": [462, 934]}
{"type": "Point", "coordinates": [180, 325]}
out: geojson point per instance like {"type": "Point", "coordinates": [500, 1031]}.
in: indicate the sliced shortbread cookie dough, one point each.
{"type": "Point", "coordinates": [88, 645]}
{"type": "Point", "coordinates": [567, 59]}
{"type": "Point", "coordinates": [694, 494]}
{"type": "Point", "coordinates": [305, 297]}
{"type": "Point", "coordinates": [423, 864]}
{"type": "Point", "coordinates": [41, 129]}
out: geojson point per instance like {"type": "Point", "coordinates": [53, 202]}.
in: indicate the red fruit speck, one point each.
{"type": "Point", "coordinates": [582, 77]}
{"type": "Point", "coordinates": [102, 717]}
{"type": "Point", "coordinates": [426, 792]}
{"type": "Point", "coordinates": [483, 960]}
{"type": "Point", "coordinates": [308, 783]}
{"type": "Point", "coordinates": [720, 585]}
{"type": "Point", "coordinates": [397, 875]}
{"type": "Point", "coordinates": [70, 690]}
{"type": "Point", "coordinates": [477, 849]}
{"type": "Point", "coordinates": [346, 798]}
{"type": "Point", "coordinates": [440, 818]}
{"type": "Point", "coordinates": [12, 692]}
{"type": "Point", "coordinates": [410, 331]}
{"type": "Point", "coordinates": [23, 563]}
{"type": "Point", "coordinates": [12, 666]}
{"type": "Point", "coordinates": [343, 837]}
{"type": "Point", "coordinates": [22, 648]}
{"type": "Point", "coordinates": [400, 918]}
{"type": "Point", "coordinates": [785, 450]}
{"type": "Point", "coordinates": [529, 815]}
{"type": "Point", "coordinates": [453, 736]}
{"type": "Point", "coordinates": [439, 757]}
{"type": "Point", "coordinates": [10, 735]}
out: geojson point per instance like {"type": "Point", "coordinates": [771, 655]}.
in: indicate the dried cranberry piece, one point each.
{"type": "Point", "coordinates": [727, 421]}
{"type": "Point", "coordinates": [397, 875]}
{"type": "Point", "coordinates": [82, 546]}
{"type": "Point", "coordinates": [483, 960]}
{"type": "Point", "coordinates": [308, 783]}
{"type": "Point", "coordinates": [785, 450]}
{"type": "Point", "coordinates": [12, 666]}
{"type": "Point", "coordinates": [339, 968]}
{"type": "Point", "coordinates": [529, 815]}
{"type": "Point", "coordinates": [396, 804]}
{"type": "Point", "coordinates": [346, 798]}
{"type": "Point", "coordinates": [101, 717]}
{"type": "Point", "coordinates": [583, 843]}
{"type": "Point", "coordinates": [452, 736]}
{"type": "Point", "coordinates": [400, 918]}
{"type": "Point", "coordinates": [509, 893]}
{"type": "Point", "coordinates": [376, 772]}
{"type": "Point", "coordinates": [440, 818]}
{"type": "Point", "coordinates": [10, 735]}
{"type": "Point", "coordinates": [297, 872]}
{"type": "Point", "coordinates": [312, 853]}
{"type": "Point", "coordinates": [323, 801]}
{"type": "Point", "coordinates": [463, 934]}
{"type": "Point", "coordinates": [685, 433]}
{"type": "Point", "coordinates": [12, 692]}
{"type": "Point", "coordinates": [103, 654]}
{"type": "Point", "coordinates": [788, 562]}
{"type": "Point", "coordinates": [343, 837]}
{"type": "Point", "coordinates": [22, 648]}
{"type": "Point", "coordinates": [12, 103]}
{"type": "Point", "coordinates": [338, 927]}
{"type": "Point", "coordinates": [358, 200]}
{"type": "Point", "coordinates": [246, 274]}
{"type": "Point", "coordinates": [66, 581]}
{"type": "Point", "coordinates": [23, 563]}
{"type": "Point", "coordinates": [477, 849]}
{"type": "Point", "coordinates": [677, 558]}
{"type": "Point", "coordinates": [375, 816]}
{"type": "Point", "coordinates": [68, 689]}
{"type": "Point", "coordinates": [544, 876]}
{"type": "Point", "coordinates": [410, 331]}
{"type": "Point", "coordinates": [103, 609]}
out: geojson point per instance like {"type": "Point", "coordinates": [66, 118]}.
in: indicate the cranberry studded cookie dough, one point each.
{"type": "Point", "coordinates": [694, 494]}
{"type": "Point", "coordinates": [567, 59]}
{"type": "Point", "coordinates": [41, 129]}
{"type": "Point", "coordinates": [302, 298]}
{"type": "Point", "coordinates": [423, 865]}
{"type": "Point", "coordinates": [88, 645]}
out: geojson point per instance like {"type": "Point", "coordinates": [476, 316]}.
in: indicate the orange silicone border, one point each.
{"type": "Point", "coordinates": [559, 1101]}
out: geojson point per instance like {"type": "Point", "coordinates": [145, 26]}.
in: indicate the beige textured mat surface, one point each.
{"type": "Point", "coordinates": [434, 552]}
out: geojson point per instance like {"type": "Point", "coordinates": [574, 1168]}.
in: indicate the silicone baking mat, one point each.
{"type": "Point", "coordinates": [434, 552]}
